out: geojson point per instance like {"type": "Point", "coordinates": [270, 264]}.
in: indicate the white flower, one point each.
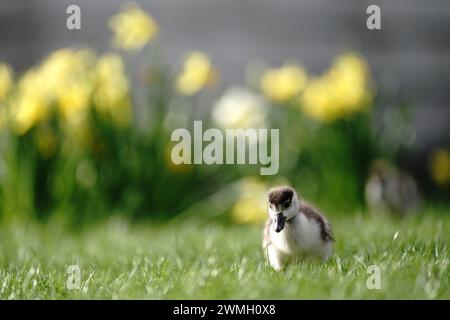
{"type": "Point", "coordinates": [240, 108]}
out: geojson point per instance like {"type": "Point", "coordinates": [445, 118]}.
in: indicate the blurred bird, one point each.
{"type": "Point", "coordinates": [294, 228]}
{"type": "Point", "coordinates": [391, 190]}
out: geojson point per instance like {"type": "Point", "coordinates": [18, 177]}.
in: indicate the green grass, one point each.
{"type": "Point", "coordinates": [215, 261]}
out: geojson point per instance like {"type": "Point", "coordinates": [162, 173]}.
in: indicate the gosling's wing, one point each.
{"type": "Point", "coordinates": [311, 212]}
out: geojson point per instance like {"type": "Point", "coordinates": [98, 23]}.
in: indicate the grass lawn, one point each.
{"type": "Point", "coordinates": [215, 261]}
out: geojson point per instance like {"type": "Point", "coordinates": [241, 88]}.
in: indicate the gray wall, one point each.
{"type": "Point", "coordinates": [410, 56]}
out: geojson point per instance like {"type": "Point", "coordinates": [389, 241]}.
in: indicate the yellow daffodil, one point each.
{"type": "Point", "coordinates": [251, 205]}
{"type": "Point", "coordinates": [340, 92]}
{"type": "Point", "coordinates": [440, 166]}
{"type": "Point", "coordinates": [65, 64]}
{"type": "Point", "coordinates": [6, 79]}
{"type": "Point", "coordinates": [196, 74]}
{"type": "Point", "coordinates": [349, 77]}
{"type": "Point", "coordinates": [32, 104]}
{"type": "Point", "coordinates": [317, 101]}
{"type": "Point", "coordinates": [74, 99]}
{"type": "Point", "coordinates": [61, 80]}
{"type": "Point", "coordinates": [74, 90]}
{"type": "Point", "coordinates": [133, 28]}
{"type": "Point", "coordinates": [283, 84]}
{"type": "Point", "coordinates": [32, 109]}
{"type": "Point", "coordinates": [112, 92]}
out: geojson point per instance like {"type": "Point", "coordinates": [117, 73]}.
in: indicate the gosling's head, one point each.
{"type": "Point", "coordinates": [283, 206]}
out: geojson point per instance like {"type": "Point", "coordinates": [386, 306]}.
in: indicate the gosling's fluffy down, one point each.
{"type": "Point", "coordinates": [294, 228]}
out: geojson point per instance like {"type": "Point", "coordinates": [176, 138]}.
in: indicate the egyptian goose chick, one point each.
{"type": "Point", "coordinates": [294, 228]}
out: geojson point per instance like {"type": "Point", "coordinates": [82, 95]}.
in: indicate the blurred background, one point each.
{"type": "Point", "coordinates": [86, 115]}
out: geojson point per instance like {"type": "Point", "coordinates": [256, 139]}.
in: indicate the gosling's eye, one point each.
{"type": "Point", "coordinates": [287, 204]}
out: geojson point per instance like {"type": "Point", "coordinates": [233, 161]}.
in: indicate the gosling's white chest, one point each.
{"type": "Point", "coordinates": [300, 235]}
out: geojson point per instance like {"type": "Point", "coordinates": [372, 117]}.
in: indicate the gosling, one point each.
{"type": "Point", "coordinates": [294, 229]}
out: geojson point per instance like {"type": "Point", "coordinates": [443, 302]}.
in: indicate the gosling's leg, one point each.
{"type": "Point", "coordinates": [276, 258]}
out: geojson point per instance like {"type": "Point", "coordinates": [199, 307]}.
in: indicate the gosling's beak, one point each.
{"type": "Point", "coordinates": [278, 224]}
